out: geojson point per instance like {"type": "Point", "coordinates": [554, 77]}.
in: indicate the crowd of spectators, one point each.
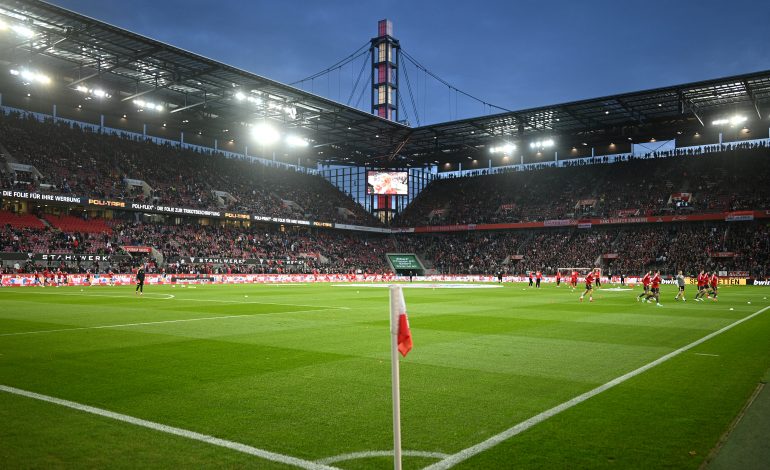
{"type": "Point", "coordinates": [193, 248]}
{"type": "Point", "coordinates": [729, 180]}
{"type": "Point", "coordinates": [630, 250]}
{"type": "Point", "coordinates": [76, 161]}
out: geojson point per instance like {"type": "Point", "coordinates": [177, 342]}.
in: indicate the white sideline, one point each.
{"type": "Point", "coordinates": [465, 454]}
{"type": "Point", "coordinates": [246, 449]}
{"type": "Point", "coordinates": [85, 294]}
{"type": "Point", "coordinates": [100, 327]}
{"type": "Point", "coordinates": [172, 296]}
{"type": "Point", "coordinates": [380, 453]}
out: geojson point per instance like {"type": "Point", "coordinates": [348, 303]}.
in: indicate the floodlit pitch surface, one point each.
{"type": "Point", "coordinates": [302, 374]}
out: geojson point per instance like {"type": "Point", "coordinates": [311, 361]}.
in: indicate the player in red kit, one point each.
{"type": "Point", "coordinates": [702, 284]}
{"type": "Point", "coordinates": [646, 285]}
{"type": "Point", "coordinates": [538, 276]}
{"type": "Point", "coordinates": [714, 284]}
{"type": "Point", "coordinates": [589, 287]}
{"type": "Point", "coordinates": [655, 289]}
{"type": "Point", "coordinates": [558, 278]}
{"type": "Point", "coordinates": [573, 280]}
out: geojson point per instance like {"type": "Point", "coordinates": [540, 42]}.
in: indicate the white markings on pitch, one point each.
{"type": "Point", "coordinates": [469, 452]}
{"type": "Point", "coordinates": [261, 303]}
{"type": "Point", "coordinates": [380, 453]}
{"type": "Point", "coordinates": [704, 354]}
{"type": "Point", "coordinates": [246, 449]}
{"type": "Point", "coordinates": [161, 322]}
{"type": "Point", "coordinates": [172, 296]}
{"type": "Point", "coordinates": [425, 286]}
{"type": "Point", "coordinates": [90, 294]}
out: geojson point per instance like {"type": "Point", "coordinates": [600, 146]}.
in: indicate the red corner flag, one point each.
{"type": "Point", "coordinates": [399, 323]}
{"type": "Point", "coordinates": [404, 335]}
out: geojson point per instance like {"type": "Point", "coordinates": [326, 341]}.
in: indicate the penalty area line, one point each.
{"type": "Point", "coordinates": [469, 452]}
{"type": "Point", "coordinates": [236, 446]}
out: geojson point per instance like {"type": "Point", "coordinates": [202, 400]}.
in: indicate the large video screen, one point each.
{"type": "Point", "coordinates": [387, 182]}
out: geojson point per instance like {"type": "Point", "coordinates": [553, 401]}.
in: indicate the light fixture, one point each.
{"type": "Point", "coordinates": [23, 31]}
{"type": "Point", "coordinates": [265, 134]}
{"type": "Point", "coordinates": [30, 76]}
{"type": "Point", "coordinates": [733, 121]}
{"type": "Point", "coordinates": [506, 148]}
{"type": "Point", "coordinates": [148, 105]}
{"type": "Point", "coordinates": [541, 144]}
{"type": "Point", "coordinates": [295, 141]}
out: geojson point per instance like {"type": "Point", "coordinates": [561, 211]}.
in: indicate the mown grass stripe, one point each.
{"type": "Point", "coordinates": [246, 449]}
{"type": "Point", "coordinates": [469, 452]}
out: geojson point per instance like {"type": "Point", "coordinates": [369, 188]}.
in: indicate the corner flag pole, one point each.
{"type": "Point", "coordinates": [397, 306]}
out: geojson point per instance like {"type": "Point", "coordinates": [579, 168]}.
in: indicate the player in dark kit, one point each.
{"type": "Point", "coordinates": [140, 281]}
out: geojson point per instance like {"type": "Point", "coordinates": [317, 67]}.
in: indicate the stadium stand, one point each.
{"type": "Point", "coordinates": [77, 161]}
{"type": "Point", "coordinates": [20, 220]}
{"type": "Point", "coordinates": [668, 247]}
{"type": "Point", "coordinates": [67, 223]}
{"type": "Point", "coordinates": [727, 180]}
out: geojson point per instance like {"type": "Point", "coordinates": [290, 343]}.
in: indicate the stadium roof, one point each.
{"type": "Point", "coordinates": [202, 95]}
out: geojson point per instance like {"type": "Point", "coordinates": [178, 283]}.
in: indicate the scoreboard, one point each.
{"type": "Point", "coordinates": [404, 262]}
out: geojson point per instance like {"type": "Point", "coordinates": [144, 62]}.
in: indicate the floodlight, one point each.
{"type": "Point", "coordinates": [295, 141]}
{"type": "Point", "coordinates": [23, 31]}
{"type": "Point", "coordinates": [265, 134]}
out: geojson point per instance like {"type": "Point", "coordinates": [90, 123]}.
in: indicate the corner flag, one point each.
{"type": "Point", "coordinates": [400, 342]}
{"type": "Point", "coordinates": [404, 335]}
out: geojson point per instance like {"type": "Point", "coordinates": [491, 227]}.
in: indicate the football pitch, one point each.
{"type": "Point", "coordinates": [286, 376]}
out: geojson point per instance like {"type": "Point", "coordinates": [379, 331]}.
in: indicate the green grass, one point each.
{"type": "Point", "coordinates": [291, 372]}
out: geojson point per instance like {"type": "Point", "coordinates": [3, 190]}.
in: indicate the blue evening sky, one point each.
{"type": "Point", "coordinates": [516, 54]}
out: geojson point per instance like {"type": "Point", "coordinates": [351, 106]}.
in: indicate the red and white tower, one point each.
{"type": "Point", "coordinates": [385, 51]}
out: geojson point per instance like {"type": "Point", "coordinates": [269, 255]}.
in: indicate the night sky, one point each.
{"type": "Point", "coordinates": [515, 54]}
